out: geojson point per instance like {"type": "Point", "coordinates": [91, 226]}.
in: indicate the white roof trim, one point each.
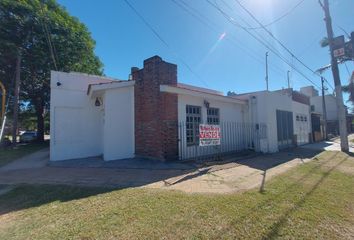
{"type": "Point", "coordinates": [183, 91]}
{"type": "Point", "coordinates": [93, 88]}
{"type": "Point", "coordinates": [105, 78]}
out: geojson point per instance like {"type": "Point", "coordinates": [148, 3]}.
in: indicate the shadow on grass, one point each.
{"type": "Point", "coordinates": [29, 196]}
{"type": "Point", "coordinates": [274, 197]}
{"type": "Point", "coordinates": [282, 220]}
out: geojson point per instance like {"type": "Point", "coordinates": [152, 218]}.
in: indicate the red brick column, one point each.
{"type": "Point", "coordinates": [156, 113]}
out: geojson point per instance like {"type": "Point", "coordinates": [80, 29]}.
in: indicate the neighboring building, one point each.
{"type": "Point", "coordinates": [286, 114]}
{"type": "Point", "coordinates": [316, 102]}
{"type": "Point", "coordinates": [153, 116]}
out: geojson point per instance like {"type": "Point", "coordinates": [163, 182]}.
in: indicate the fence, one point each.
{"type": "Point", "coordinates": [235, 137]}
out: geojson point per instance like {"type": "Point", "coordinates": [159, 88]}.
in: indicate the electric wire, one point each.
{"type": "Point", "coordinates": [346, 67]}
{"type": "Point", "coordinates": [282, 16]}
{"type": "Point", "coordinates": [229, 37]}
{"type": "Point", "coordinates": [233, 22]}
{"type": "Point", "coordinates": [233, 39]}
{"type": "Point", "coordinates": [152, 29]}
{"type": "Point", "coordinates": [48, 37]}
{"type": "Point", "coordinates": [278, 41]}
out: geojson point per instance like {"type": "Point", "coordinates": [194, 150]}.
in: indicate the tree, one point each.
{"type": "Point", "coordinates": [324, 42]}
{"type": "Point", "coordinates": [350, 90]}
{"type": "Point", "coordinates": [231, 93]}
{"type": "Point", "coordinates": [47, 38]}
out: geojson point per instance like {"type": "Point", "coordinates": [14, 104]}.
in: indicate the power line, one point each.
{"type": "Point", "coordinates": [48, 37]}
{"type": "Point", "coordinates": [234, 40]}
{"type": "Point", "coordinates": [282, 16]}
{"type": "Point", "coordinates": [211, 25]}
{"type": "Point", "coordinates": [275, 67]}
{"type": "Point", "coordinates": [346, 67]}
{"type": "Point", "coordinates": [278, 41]}
{"type": "Point", "coordinates": [183, 5]}
{"type": "Point", "coordinates": [162, 40]}
{"type": "Point", "coordinates": [202, 19]}
{"type": "Point", "coordinates": [232, 21]}
{"type": "Point", "coordinates": [249, 25]}
{"type": "Point", "coordinates": [255, 32]}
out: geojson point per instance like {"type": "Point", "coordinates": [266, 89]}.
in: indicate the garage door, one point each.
{"type": "Point", "coordinates": [285, 129]}
{"type": "Point", "coordinates": [302, 129]}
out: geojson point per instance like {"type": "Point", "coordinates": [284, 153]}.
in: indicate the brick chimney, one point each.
{"type": "Point", "coordinates": [156, 113]}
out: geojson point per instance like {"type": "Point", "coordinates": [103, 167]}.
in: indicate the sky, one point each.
{"type": "Point", "coordinates": [210, 51]}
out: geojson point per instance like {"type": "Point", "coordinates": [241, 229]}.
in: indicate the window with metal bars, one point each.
{"type": "Point", "coordinates": [193, 119]}
{"type": "Point", "coordinates": [213, 116]}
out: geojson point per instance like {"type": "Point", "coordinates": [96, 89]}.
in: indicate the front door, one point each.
{"type": "Point", "coordinates": [285, 129]}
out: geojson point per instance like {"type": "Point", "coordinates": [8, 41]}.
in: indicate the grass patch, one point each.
{"type": "Point", "coordinates": [9, 154]}
{"type": "Point", "coordinates": [312, 201]}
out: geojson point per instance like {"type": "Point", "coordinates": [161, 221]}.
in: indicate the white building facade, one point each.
{"type": "Point", "coordinates": [91, 116]}
{"type": "Point", "coordinates": [286, 116]}
{"type": "Point", "coordinates": [154, 116]}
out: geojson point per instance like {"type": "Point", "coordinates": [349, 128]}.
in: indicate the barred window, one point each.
{"type": "Point", "coordinates": [193, 119]}
{"type": "Point", "coordinates": [213, 116]}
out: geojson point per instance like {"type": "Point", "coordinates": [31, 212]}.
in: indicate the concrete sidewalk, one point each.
{"type": "Point", "coordinates": [331, 145]}
{"type": "Point", "coordinates": [239, 175]}
{"type": "Point", "coordinates": [37, 159]}
{"type": "Point", "coordinates": [236, 174]}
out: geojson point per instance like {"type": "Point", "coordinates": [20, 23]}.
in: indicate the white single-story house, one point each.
{"type": "Point", "coordinates": [151, 115]}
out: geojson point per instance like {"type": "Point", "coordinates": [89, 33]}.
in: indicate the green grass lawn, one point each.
{"type": "Point", "coordinates": [9, 154]}
{"type": "Point", "coordinates": [312, 201]}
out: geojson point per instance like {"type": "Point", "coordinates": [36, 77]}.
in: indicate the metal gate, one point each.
{"type": "Point", "coordinates": [285, 129]}
{"type": "Point", "coordinates": [235, 137]}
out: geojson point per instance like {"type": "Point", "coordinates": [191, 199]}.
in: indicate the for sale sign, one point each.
{"type": "Point", "coordinates": [209, 135]}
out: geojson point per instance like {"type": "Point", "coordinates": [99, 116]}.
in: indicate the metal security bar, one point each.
{"type": "Point", "coordinates": [235, 137]}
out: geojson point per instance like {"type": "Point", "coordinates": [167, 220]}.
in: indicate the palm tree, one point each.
{"type": "Point", "coordinates": [350, 89]}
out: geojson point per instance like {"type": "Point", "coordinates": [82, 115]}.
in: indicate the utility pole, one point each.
{"type": "Point", "coordinates": [338, 87]}
{"type": "Point", "coordinates": [16, 99]}
{"type": "Point", "coordinates": [324, 110]}
{"type": "Point", "coordinates": [288, 78]}
{"type": "Point", "coordinates": [3, 100]}
{"type": "Point", "coordinates": [266, 78]}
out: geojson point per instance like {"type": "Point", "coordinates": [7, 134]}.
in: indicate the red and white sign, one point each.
{"type": "Point", "coordinates": [209, 135]}
{"type": "Point", "coordinates": [338, 52]}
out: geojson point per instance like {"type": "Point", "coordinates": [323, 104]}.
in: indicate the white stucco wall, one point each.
{"type": "Point", "coordinates": [119, 123]}
{"type": "Point", "coordinates": [230, 113]}
{"type": "Point", "coordinates": [331, 106]}
{"type": "Point", "coordinates": [274, 101]}
{"type": "Point", "coordinates": [80, 129]}
{"type": "Point", "coordinates": [263, 106]}
{"type": "Point", "coordinates": [75, 122]}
